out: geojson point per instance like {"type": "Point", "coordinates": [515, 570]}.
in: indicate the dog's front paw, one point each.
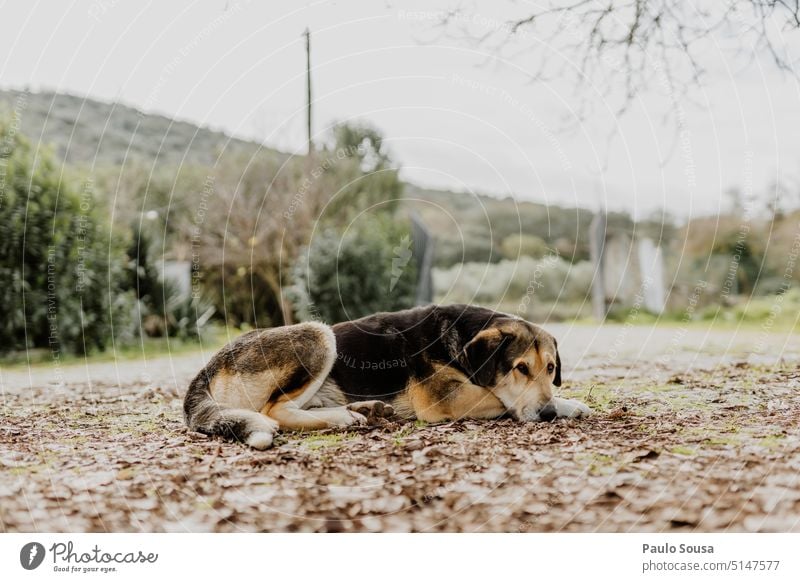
{"type": "Point", "coordinates": [566, 408]}
{"type": "Point", "coordinates": [350, 417]}
{"type": "Point", "coordinates": [372, 409]}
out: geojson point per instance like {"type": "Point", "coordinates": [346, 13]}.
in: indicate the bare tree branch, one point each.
{"type": "Point", "coordinates": [620, 47]}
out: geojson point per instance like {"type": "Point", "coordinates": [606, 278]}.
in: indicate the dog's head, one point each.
{"type": "Point", "coordinates": [519, 363]}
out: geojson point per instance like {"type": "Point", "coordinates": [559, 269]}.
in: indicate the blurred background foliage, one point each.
{"type": "Point", "coordinates": [365, 270]}
{"type": "Point", "coordinates": [63, 274]}
{"type": "Point", "coordinates": [110, 200]}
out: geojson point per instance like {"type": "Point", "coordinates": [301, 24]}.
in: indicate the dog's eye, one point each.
{"type": "Point", "coordinates": [522, 368]}
{"type": "Point", "coordinates": [550, 368]}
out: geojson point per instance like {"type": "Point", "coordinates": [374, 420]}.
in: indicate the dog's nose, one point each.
{"type": "Point", "coordinates": [547, 413]}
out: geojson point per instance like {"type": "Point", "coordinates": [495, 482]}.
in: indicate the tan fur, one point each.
{"type": "Point", "coordinates": [472, 401]}
{"type": "Point", "coordinates": [250, 391]}
{"type": "Point", "coordinates": [256, 380]}
{"type": "Point", "coordinates": [289, 416]}
{"type": "Point", "coordinates": [448, 395]}
{"type": "Point", "coordinates": [526, 393]}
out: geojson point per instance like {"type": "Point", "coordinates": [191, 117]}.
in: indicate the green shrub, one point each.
{"type": "Point", "coordinates": [62, 271]}
{"type": "Point", "coordinates": [185, 316]}
{"type": "Point", "coordinates": [521, 245]}
{"type": "Point", "coordinates": [527, 280]}
{"type": "Point", "coordinates": [256, 215]}
{"type": "Point", "coordinates": [474, 246]}
{"type": "Point", "coordinates": [369, 269]}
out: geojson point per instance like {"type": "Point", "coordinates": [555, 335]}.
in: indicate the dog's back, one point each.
{"type": "Point", "coordinates": [378, 354]}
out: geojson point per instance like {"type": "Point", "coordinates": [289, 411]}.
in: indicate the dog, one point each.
{"type": "Point", "coordinates": [434, 363]}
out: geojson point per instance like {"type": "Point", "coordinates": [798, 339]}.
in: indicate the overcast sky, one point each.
{"type": "Point", "coordinates": [451, 119]}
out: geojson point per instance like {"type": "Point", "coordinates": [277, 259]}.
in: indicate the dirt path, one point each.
{"type": "Point", "coordinates": [695, 430]}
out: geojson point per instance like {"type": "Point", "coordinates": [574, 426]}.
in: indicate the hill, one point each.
{"type": "Point", "coordinates": [471, 227]}
{"type": "Point", "coordinates": [89, 132]}
{"type": "Point", "coordinates": [468, 227]}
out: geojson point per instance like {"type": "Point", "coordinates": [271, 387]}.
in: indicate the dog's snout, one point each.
{"type": "Point", "coordinates": [547, 413]}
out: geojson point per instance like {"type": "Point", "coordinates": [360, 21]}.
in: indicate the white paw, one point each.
{"type": "Point", "coordinates": [260, 440]}
{"type": "Point", "coordinates": [566, 408]}
{"type": "Point", "coordinates": [372, 409]}
{"type": "Point", "coordinates": [354, 417]}
{"type": "Point", "coordinates": [341, 416]}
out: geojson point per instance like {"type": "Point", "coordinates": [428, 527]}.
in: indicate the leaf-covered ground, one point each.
{"type": "Point", "coordinates": [697, 434]}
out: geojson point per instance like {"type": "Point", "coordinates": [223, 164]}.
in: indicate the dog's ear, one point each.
{"type": "Point", "coordinates": [481, 357]}
{"type": "Point", "coordinates": [557, 377]}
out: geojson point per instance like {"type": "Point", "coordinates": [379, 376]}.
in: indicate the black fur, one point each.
{"type": "Point", "coordinates": [483, 358]}
{"type": "Point", "coordinates": [378, 354]}
{"type": "Point", "coordinates": [557, 377]}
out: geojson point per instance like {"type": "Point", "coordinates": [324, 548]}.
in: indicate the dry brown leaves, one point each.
{"type": "Point", "coordinates": [710, 451]}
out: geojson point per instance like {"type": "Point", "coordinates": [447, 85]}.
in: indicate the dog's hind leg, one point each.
{"type": "Point", "coordinates": [312, 405]}
{"type": "Point", "coordinates": [331, 396]}
{"type": "Point", "coordinates": [290, 416]}
{"type": "Point", "coordinates": [328, 396]}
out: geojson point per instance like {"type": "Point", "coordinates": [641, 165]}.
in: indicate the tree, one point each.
{"type": "Point", "coordinates": [365, 177]}
{"type": "Point", "coordinates": [368, 269]}
{"type": "Point", "coordinates": [631, 44]}
{"type": "Point", "coordinates": [247, 228]}
{"type": "Point", "coordinates": [363, 142]}
{"type": "Point", "coordinates": [62, 270]}
{"type": "Point", "coordinates": [258, 212]}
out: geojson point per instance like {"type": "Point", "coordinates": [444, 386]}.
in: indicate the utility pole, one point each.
{"type": "Point", "coordinates": [597, 243]}
{"type": "Point", "coordinates": [307, 34]}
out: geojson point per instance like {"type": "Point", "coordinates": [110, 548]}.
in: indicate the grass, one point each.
{"type": "Point", "coordinates": [600, 464]}
{"type": "Point", "coordinates": [772, 442]}
{"type": "Point", "coordinates": [749, 313]}
{"type": "Point", "coordinates": [752, 315]}
{"type": "Point", "coordinates": [316, 441]}
{"type": "Point", "coordinates": [144, 348]}
{"type": "Point", "coordinates": [599, 396]}
{"type": "Point", "coordinates": [400, 436]}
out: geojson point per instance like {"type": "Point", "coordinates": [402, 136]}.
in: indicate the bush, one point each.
{"type": "Point", "coordinates": [62, 271]}
{"type": "Point", "coordinates": [474, 246]}
{"type": "Point", "coordinates": [548, 279]}
{"type": "Point", "coordinates": [520, 245]}
{"type": "Point", "coordinates": [779, 310]}
{"type": "Point", "coordinates": [369, 269]}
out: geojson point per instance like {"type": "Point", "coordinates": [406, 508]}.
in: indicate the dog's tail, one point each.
{"type": "Point", "coordinates": [203, 414]}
